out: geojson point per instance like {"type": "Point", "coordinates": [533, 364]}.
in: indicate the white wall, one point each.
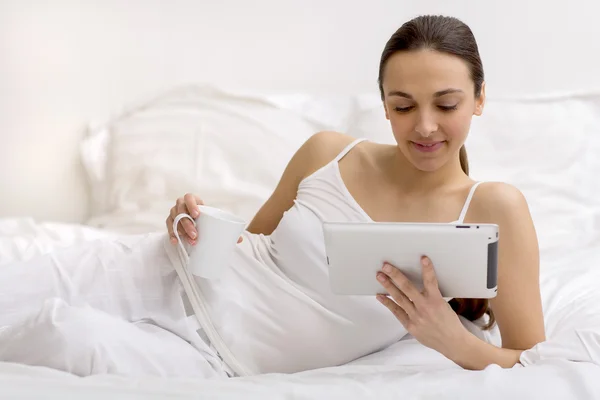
{"type": "Point", "coordinates": [64, 63]}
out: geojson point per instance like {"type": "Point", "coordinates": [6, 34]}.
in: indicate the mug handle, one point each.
{"type": "Point", "coordinates": [183, 252]}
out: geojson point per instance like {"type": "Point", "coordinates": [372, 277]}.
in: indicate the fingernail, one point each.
{"type": "Point", "coordinates": [193, 235]}
{"type": "Point", "coordinates": [195, 213]}
{"type": "Point", "coordinates": [379, 298]}
{"type": "Point", "coordinates": [173, 240]}
{"type": "Point", "coordinates": [381, 277]}
{"type": "Point", "coordinates": [425, 261]}
{"type": "Point", "coordinates": [387, 268]}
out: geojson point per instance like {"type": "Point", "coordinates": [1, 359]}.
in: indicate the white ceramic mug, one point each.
{"type": "Point", "coordinates": [218, 234]}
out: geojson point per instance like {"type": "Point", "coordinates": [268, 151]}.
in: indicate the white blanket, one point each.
{"type": "Point", "coordinates": [567, 365]}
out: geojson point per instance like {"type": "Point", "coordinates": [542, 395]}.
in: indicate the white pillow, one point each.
{"type": "Point", "coordinates": [229, 149]}
{"type": "Point", "coordinates": [547, 147]}
{"type": "Point", "coordinates": [369, 120]}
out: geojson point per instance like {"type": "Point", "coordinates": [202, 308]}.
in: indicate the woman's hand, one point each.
{"type": "Point", "coordinates": [187, 204]}
{"type": "Point", "coordinates": [425, 315]}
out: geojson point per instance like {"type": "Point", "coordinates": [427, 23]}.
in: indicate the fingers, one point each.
{"type": "Point", "coordinates": [398, 312]}
{"type": "Point", "coordinates": [191, 202]}
{"type": "Point", "coordinates": [187, 204]}
{"type": "Point", "coordinates": [400, 298]}
{"type": "Point", "coordinates": [183, 234]}
{"type": "Point", "coordinates": [190, 230]}
{"type": "Point", "coordinates": [403, 283]}
{"type": "Point", "coordinates": [186, 229]}
{"type": "Point", "coordinates": [430, 281]}
{"type": "Point", "coordinates": [169, 223]}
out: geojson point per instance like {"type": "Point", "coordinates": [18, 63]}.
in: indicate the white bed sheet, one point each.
{"type": "Point", "coordinates": [567, 365]}
{"type": "Point", "coordinates": [552, 379]}
{"type": "Point", "coordinates": [23, 238]}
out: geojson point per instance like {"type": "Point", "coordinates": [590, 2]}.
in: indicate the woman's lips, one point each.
{"type": "Point", "coordinates": [427, 147]}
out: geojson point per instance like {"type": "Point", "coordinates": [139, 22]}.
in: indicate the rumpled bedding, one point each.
{"type": "Point", "coordinates": [567, 365]}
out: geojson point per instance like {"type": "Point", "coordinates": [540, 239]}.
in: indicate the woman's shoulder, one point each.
{"type": "Point", "coordinates": [329, 142]}
{"type": "Point", "coordinates": [323, 147]}
{"type": "Point", "coordinates": [496, 202]}
{"type": "Point", "coordinates": [333, 142]}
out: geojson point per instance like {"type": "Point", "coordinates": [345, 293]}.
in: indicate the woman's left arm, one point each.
{"type": "Point", "coordinates": [517, 305]}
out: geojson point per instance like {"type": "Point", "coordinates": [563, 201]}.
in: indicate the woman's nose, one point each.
{"type": "Point", "coordinates": [426, 124]}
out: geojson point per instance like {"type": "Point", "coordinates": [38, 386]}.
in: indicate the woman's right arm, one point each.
{"type": "Point", "coordinates": [318, 150]}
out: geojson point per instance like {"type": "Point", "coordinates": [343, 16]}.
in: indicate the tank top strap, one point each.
{"type": "Point", "coordinates": [465, 208]}
{"type": "Point", "coordinates": [348, 148]}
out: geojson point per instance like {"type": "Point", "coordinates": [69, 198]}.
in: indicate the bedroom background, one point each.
{"type": "Point", "coordinates": [66, 64]}
{"type": "Point", "coordinates": [109, 110]}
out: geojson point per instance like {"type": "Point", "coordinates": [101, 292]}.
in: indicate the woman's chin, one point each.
{"type": "Point", "coordinates": [428, 168]}
{"type": "Point", "coordinates": [430, 165]}
{"type": "Point", "coordinates": [429, 162]}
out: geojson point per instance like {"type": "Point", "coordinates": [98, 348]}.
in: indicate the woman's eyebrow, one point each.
{"type": "Point", "coordinates": [436, 94]}
{"type": "Point", "coordinates": [445, 92]}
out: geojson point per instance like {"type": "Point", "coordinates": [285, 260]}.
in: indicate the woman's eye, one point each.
{"type": "Point", "coordinates": [447, 108]}
{"type": "Point", "coordinates": [404, 109]}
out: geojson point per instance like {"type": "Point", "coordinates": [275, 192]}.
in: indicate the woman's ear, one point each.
{"type": "Point", "coordinates": [480, 101]}
{"type": "Point", "coordinates": [387, 115]}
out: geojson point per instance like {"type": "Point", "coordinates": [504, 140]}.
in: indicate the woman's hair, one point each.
{"type": "Point", "coordinates": [432, 32]}
{"type": "Point", "coordinates": [451, 36]}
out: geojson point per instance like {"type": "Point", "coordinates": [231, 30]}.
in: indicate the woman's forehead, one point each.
{"type": "Point", "coordinates": [426, 71]}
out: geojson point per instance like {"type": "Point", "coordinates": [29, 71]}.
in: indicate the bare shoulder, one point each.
{"type": "Point", "coordinates": [320, 149]}
{"type": "Point", "coordinates": [496, 202]}
{"type": "Point", "coordinates": [315, 152]}
{"type": "Point", "coordinates": [323, 147]}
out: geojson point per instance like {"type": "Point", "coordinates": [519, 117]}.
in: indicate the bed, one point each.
{"type": "Point", "coordinates": [208, 140]}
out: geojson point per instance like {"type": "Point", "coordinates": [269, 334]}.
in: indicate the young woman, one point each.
{"type": "Point", "coordinates": [273, 311]}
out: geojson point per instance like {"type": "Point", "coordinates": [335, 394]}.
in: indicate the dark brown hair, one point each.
{"type": "Point", "coordinates": [451, 36]}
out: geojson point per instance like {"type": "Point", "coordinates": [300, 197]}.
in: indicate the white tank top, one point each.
{"type": "Point", "coordinates": [273, 311]}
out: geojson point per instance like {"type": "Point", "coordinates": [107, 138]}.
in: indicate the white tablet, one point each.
{"type": "Point", "coordinates": [464, 256]}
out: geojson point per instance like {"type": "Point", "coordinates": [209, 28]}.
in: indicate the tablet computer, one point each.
{"type": "Point", "coordinates": [464, 256]}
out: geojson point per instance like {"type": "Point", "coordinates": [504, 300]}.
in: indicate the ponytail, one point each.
{"type": "Point", "coordinates": [464, 160]}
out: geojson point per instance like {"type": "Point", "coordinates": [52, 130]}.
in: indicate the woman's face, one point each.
{"type": "Point", "coordinates": [429, 99]}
